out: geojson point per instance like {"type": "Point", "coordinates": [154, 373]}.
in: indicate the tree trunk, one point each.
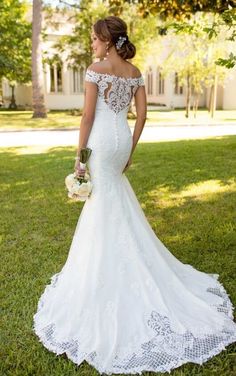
{"type": "Point", "coordinates": [1, 91]}
{"type": "Point", "coordinates": [210, 99]}
{"type": "Point", "coordinates": [37, 66]}
{"type": "Point", "coordinates": [196, 102]}
{"type": "Point", "coordinates": [188, 96]}
{"type": "Point", "coordinates": [13, 105]}
{"type": "Point", "coordinates": [214, 96]}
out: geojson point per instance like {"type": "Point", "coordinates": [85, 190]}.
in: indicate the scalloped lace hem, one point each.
{"type": "Point", "coordinates": [165, 351]}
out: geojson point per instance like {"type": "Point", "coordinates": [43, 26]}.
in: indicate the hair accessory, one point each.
{"type": "Point", "coordinates": [120, 42]}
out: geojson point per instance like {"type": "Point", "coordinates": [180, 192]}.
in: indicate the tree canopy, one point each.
{"type": "Point", "coordinates": [180, 8]}
{"type": "Point", "coordinates": [15, 41]}
{"type": "Point", "coordinates": [78, 44]}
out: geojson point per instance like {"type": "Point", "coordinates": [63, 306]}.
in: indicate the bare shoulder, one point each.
{"type": "Point", "coordinates": [105, 67]}
{"type": "Point", "coordinates": [134, 71]}
{"type": "Point", "coordinates": [98, 67]}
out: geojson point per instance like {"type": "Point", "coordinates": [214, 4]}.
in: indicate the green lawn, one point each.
{"type": "Point", "coordinates": [12, 120]}
{"type": "Point", "coordinates": [188, 193]}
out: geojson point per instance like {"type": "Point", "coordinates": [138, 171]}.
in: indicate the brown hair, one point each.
{"type": "Point", "coordinates": [110, 29]}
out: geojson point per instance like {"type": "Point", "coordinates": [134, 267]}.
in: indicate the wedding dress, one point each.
{"type": "Point", "coordinates": [122, 301]}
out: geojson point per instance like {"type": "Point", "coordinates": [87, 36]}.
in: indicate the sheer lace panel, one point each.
{"type": "Point", "coordinates": [116, 92]}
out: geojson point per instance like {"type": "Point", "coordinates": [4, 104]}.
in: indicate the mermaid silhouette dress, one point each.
{"type": "Point", "coordinates": [122, 301]}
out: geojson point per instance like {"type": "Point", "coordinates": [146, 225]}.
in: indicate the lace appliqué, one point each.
{"type": "Point", "coordinates": [164, 351]}
{"type": "Point", "coordinates": [116, 92]}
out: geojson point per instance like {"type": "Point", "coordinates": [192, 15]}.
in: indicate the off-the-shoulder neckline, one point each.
{"type": "Point", "coordinates": [113, 75]}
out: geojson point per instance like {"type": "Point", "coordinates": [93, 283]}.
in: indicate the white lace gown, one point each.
{"type": "Point", "coordinates": [122, 301]}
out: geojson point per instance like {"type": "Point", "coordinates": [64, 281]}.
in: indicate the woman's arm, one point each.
{"type": "Point", "coordinates": [141, 110]}
{"type": "Point", "coordinates": [90, 99]}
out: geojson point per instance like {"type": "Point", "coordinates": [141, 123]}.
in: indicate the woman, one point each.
{"type": "Point", "coordinates": [122, 301]}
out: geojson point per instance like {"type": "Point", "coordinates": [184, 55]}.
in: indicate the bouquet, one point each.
{"type": "Point", "coordinates": [79, 188]}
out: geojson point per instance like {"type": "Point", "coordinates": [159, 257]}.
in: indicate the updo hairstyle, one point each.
{"type": "Point", "coordinates": [110, 29]}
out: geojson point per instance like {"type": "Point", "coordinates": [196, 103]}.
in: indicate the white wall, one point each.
{"type": "Point", "coordinates": [229, 95]}
{"type": "Point", "coordinates": [23, 94]}
{"type": "Point", "coordinates": [63, 102]}
{"type": "Point", "coordinates": [169, 98]}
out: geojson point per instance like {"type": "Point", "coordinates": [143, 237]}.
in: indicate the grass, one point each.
{"type": "Point", "coordinates": [14, 120]}
{"type": "Point", "coordinates": [11, 120]}
{"type": "Point", "coordinates": [188, 193]}
{"type": "Point", "coordinates": [203, 117]}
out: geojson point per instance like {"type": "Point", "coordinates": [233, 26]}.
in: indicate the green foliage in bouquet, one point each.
{"type": "Point", "coordinates": [85, 154]}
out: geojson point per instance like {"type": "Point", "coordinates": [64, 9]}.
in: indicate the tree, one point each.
{"type": "Point", "coordinates": [226, 21]}
{"type": "Point", "coordinates": [180, 9]}
{"type": "Point", "coordinates": [37, 67]}
{"type": "Point", "coordinates": [15, 44]}
{"type": "Point", "coordinates": [192, 56]}
{"type": "Point", "coordinates": [78, 44]}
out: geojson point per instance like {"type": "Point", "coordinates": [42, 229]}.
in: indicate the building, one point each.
{"type": "Point", "coordinates": [64, 85]}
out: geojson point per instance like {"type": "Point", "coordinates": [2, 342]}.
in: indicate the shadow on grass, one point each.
{"type": "Point", "coordinates": [187, 191]}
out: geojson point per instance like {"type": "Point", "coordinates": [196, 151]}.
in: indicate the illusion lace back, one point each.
{"type": "Point", "coordinates": [122, 301]}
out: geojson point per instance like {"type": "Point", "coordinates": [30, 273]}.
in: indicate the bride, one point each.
{"type": "Point", "coordinates": [122, 301]}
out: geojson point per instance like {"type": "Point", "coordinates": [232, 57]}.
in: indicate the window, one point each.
{"type": "Point", "coordinates": [75, 80]}
{"type": "Point", "coordinates": [78, 79]}
{"type": "Point", "coordinates": [81, 79]}
{"type": "Point", "coordinates": [160, 84]}
{"type": "Point", "coordinates": [178, 87]}
{"type": "Point", "coordinates": [52, 79]}
{"type": "Point", "coordinates": [150, 82]}
{"type": "Point", "coordinates": [55, 78]}
{"type": "Point", "coordinates": [59, 78]}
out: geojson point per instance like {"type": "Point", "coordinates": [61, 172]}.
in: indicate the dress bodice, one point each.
{"type": "Point", "coordinates": [117, 92]}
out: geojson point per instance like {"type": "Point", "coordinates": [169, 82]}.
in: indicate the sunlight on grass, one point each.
{"type": "Point", "coordinates": [13, 120]}
{"type": "Point", "coordinates": [21, 183]}
{"type": "Point", "coordinates": [30, 150]}
{"type": "Point", "coordinates": [34, 149]}
{"type": "Point", "coordinates": [202, 115]}
{"type": "Point", "coordinates": [201, 191]}
{"type": "Point", "coordinates": [5, 186]}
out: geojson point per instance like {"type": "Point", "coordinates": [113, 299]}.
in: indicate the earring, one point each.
{"type": "Point", "coordinates": [107, 52]}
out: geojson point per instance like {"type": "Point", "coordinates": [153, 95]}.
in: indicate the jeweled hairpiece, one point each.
{"type": "Point", "coordinates": [120, 42]}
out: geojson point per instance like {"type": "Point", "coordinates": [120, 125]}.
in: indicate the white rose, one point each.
{"type": "Point", "coordinates": [82, 198]}
{"type": "Point", "coordinates": [75, 189]}
{"type": "Point", "coordinates": [69, 181]}
{"type": "Point", "coordinates": [85, 189]}
{"type": "Point", "coordinates": [87, 176]}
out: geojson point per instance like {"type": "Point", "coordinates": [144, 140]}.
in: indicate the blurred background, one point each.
{"type": "Point", "coordinates": [186, 51]}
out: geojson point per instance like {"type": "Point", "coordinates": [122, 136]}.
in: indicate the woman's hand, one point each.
{"type": "Point", "coordinates": [127, 164]}
{"type": "Point", "coordinates": [78, 170]}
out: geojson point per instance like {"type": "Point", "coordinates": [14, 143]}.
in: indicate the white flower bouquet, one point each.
{"type": "Point", "coordinates": [80, 187]}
